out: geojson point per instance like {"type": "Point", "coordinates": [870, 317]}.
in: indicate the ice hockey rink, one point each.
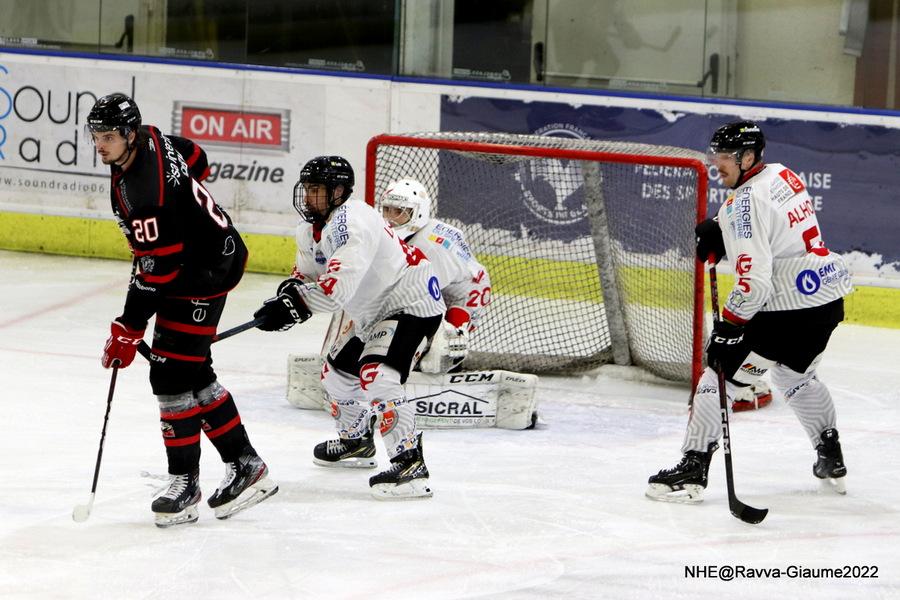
{"type": "Point", "coordinates": [555, 512]}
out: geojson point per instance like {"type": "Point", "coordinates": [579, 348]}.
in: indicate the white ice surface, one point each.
{"type": "Point", "coordinates": [557, 512]}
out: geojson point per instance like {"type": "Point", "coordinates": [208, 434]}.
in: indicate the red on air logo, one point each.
{"type": "Point", "coordinates": [367, 374]}
{"type": "Point", "coordinates": [335, 410]}
{"type": "Point", "coordinates": [792, 180]}
{"type": "Point", "coordinates": [233, 126]}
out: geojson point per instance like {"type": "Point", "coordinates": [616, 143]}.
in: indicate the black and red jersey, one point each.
{"type": "Point", "coordinates": [184, 244]}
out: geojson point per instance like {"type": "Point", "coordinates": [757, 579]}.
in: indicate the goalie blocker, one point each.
{"type": "Point", "coordinates": [466, 400]}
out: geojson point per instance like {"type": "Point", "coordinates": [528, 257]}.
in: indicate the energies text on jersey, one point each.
{"type": "Point", "coordinates": [185, 245]}
{"type": "Point", "coordinates": [772, 239]}
{"type": "Point", "coordinates": [357, 263]}
{"type": "Point", "coordinates": [464, 281]}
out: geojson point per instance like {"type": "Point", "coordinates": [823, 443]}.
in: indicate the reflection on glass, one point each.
{"type": "Point", "coordinates": [211, 30]}
{"type": "Point", "coordinates": [49, 24]}
{"type": "Point", "coordinates": [831, 52]}
{"type": "Point", "coordinates": [492, 40]}
{"type": "Point", "coordinates": [340, 35]}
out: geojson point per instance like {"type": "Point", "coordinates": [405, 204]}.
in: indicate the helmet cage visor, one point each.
{"type": "Point", "coordinates": [307, 211]}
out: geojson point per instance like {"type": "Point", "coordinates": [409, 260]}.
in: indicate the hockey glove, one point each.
{"type": "Point", "coordinates": [284, 310]}
{"type": "Point", "coordinates": [121, 345]}
{"type": "Point", "coordinates": [449, 347]}
{"type": "Point", "coordinates": [724, 344]}
{"type": "Point", "coordinates": [709, 240]}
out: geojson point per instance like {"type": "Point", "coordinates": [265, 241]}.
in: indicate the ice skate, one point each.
{"type": "Point", "coordinates": [829, 465]}
{"type": "Point", "coordinates": [178, 503]}
{"type": "Point", "coordinates": [246, 484]}
{"type": "Point", "coordinates": [685, 482]}
{"type": "Point", "coordinates": [752, 397]}
{"type": "Point", "coordinates": [407, 477]}
{"type": "Point", "coordinates": [356, 453]}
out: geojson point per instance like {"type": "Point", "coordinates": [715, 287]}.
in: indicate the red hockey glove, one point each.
{"type": "Point", "coordinates": [121, 345]}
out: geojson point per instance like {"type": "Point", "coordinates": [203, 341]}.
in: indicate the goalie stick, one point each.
{"type": "Point", "coordinates": [745, 513]}
{"type": "Point", "coordinates": [144, 349]}
{"type": "Point", "coordinates": [81, 512]}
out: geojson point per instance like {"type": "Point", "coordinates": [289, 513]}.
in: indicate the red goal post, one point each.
{"type": "Point", "coordinates": [589, 244]}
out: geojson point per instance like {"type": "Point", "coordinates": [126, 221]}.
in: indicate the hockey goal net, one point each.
{"type": "Point", "coordinates": [589, 244]}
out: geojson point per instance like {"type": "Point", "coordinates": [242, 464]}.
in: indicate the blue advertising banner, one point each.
{"type": "Point", "coordinates": [852, 171]}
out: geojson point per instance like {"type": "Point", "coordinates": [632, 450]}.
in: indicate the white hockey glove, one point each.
{"type": "Point", "coordinates": [448, 348]}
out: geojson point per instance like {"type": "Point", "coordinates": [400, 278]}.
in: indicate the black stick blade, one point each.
{"type": "Point", "coordinates": [747, 514]}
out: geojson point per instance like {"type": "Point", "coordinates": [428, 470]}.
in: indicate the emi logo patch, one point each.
{"type": "Point", "coordinates": [808, 282]}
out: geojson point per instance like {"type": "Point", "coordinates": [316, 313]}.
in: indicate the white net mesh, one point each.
{"type": "Point", "coordinates": [589, 244]}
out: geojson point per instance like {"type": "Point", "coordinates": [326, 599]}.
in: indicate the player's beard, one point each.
{"type": "Point", "coordinates": [119, 160]}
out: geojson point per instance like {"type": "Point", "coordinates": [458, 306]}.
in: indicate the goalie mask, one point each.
{"type": "Point", "coordinates": [406, 206]}
{"type": "Point", "coordinates": [314, 192]}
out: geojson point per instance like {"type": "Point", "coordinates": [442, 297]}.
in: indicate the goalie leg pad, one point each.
{"type": "Point", "coordinates": [470, 399]}
{"type": "Point", "coordinates": [752, 397]}
{"type": "Point", "coordinates": [466, 400]}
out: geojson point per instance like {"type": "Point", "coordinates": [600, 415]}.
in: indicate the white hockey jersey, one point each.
{"type": "Point", "coordinates": [774, 243]}
{"type": "Point", "coordinates": [464, 281]}
{"type": "Point", "coordinates": [357, 263]}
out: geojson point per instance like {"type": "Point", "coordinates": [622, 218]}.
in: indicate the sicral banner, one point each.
{"type": "Point", "coordinates": [851, 171]}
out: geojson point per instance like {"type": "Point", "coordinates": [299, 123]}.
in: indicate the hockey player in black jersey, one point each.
{"type": "Point", "coordinates": [187, 257]}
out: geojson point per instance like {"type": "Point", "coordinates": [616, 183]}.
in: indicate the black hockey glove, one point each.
{"type": "Point", "coordinates": [724, 344]}
{"type": "Point", "coordinates": [284, 310]}
{"type": "Point", "coordinates": [709, 239]}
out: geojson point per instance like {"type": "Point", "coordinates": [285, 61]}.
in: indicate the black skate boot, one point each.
{"type": "Point", "coordinates": [246, 484]}
{"type": "Point", "coordinates": [407, 477]}
{"type": "Point", "coordinates": [342, 452]}
{"type": "Point", "coordinates": [830, 461]}
{"type": "Point", "coordinates": [178, 503]}
{"type": "Point", "coordinates": [689, 476]}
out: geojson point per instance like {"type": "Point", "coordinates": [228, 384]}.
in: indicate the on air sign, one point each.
{"type": "Point", "coordinates": [234, 126]}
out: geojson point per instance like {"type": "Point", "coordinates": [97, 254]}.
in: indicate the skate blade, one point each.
{"type": "Point", "coordinates": [188, 515]}
{"type": "Point", "coordinates": [691, 494]}
{"type": "Point", "coordinates": [837, 486]}
{"type": "Point", "coordinates": [348, 463]}
{"type": "Point", "coordinates": [417, 488]}
{"type": "Point", "coordinates": [253, 495]}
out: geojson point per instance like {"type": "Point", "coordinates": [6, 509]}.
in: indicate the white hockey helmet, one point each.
{"type": "Point", "coordinates": [412, 200]}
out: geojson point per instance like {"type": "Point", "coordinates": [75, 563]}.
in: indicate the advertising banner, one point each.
{"type": "Point", "coordinates": [852, 171]}
{"type": "Point", "coordinates": [257, 129]}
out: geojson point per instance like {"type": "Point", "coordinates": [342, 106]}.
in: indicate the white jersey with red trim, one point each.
{"type": "Point", "coordinates": [357, 263]}
{"type": "Point", "coordinates": [774, 242]}
{"type": "Point", "coordinates": [464, 281]}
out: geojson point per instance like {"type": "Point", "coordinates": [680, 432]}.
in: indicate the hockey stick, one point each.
{"type": "Point", "coordinates": [144, 349]}
{"type": "Point", "coordinates": [81, 512]}
{"type": "Point", "coordinates": [745, 513]}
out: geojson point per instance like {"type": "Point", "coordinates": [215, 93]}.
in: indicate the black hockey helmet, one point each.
{"type": "Point", "coordinates": [330, 171]}
{"type": "Point", "coordinates": [114, 112]}
{"type": "Point", "coordinates": [737, 137]}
